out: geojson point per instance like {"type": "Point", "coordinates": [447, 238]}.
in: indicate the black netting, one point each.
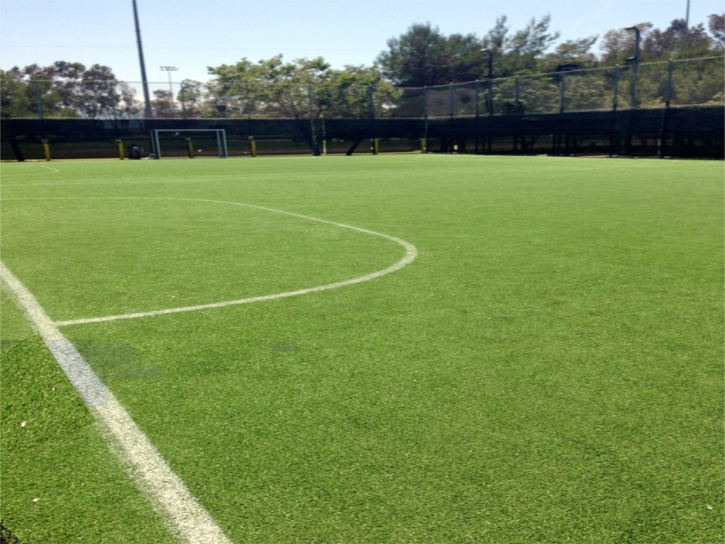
{"type": "Point", "coordinates": [558, 113]}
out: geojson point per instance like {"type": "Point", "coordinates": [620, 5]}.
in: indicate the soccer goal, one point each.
{"type": "Point", "coordinates": [189, 142]}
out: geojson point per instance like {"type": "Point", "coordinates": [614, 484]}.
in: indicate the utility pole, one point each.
{"type": "Point", "coordinates": [144, 81]}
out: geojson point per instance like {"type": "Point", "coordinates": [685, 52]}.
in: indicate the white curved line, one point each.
{"type": "Point", "coordinates": [411, 252]}
{"type": "Point", "coordinates": [49, 168]}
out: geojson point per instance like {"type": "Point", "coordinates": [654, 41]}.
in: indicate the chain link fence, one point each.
{"type": "Point", "coordinates": [649, 85]}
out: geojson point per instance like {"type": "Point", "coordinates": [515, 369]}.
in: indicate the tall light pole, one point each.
{"type": "Point", "coordinates": [168, 70]}
{"type": "Point", "coordinates": [144, 81]}
{"type": "Point", "coordinates": [635, 64]}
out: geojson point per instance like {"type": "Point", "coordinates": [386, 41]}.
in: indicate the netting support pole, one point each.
{"type": "Point", "coordinates": [425, 115]}
{"type": "Point", "coordinates": [39, 101]}
{"type": "Point", "coordinates": [562, 91]}
{"type": "Point", "coordinates": [490, 113]}
{"type": "Point", "coordinates": [450, 118]}
{"type": "Point", "coordinates": [313, 134]}
{"type": "Point", "coordinates": [665, 113]}
{"type": "Point", "coordinates": [633, 99]}
{"type": "Point", "coordinates": [324, 134]}
{"type": "Point", "coordinates": [371, 104]}
{"type": "Point", "coordinates": [475, 124]}
{"type": "Point", "coordinates": [516, 109]}
{"type": "Point", "coordinates": [615, 92]}
{"type": "Point", "coordinates": [183, 102]}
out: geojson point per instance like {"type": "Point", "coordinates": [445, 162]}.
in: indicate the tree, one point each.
{"type": "Point", "coordinates": [192, 98]}
{"type": "Point", "coordinates": [273, 88]}
{"type": "Point", "coordinates": [677, 41]}
{"type": "Point", "coordinates": [716, 26]}
{"type": "Point", "coordinates": [618, 45]}
{"type": "Point", "coordinates": [424, 57]}
{"type": "Point", "coordinates": [162, 104]}
{"type": "Point", "coordinates": [522, 51]}
{"type": "Point", "coordinates": [67, 89]}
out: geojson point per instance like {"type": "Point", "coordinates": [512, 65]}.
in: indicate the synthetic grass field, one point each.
{"type": "Point", "coordinates": [548, 369]}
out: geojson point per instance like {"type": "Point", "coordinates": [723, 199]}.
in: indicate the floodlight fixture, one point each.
{"type": "Point", "coordinates": [635, 63]}
{"type": "Point", "coordinates": [637, 36]}
{"type": "Point", "coordinates": [490, 62]}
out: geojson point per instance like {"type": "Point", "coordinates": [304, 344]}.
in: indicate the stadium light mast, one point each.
{"type": "Point", "coordinates": [144, 81]}
{"type": "Point", "coordinates": [168, 70]}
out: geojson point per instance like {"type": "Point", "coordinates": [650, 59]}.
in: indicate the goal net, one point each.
{"type": "Point", "coordinates": [190, 143]}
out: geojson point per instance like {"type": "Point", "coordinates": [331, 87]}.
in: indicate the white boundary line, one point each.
{"type": "Point", "coordinates": [411, 253]}
{"type": "Point", "coordinates": [184, 515]}
{"type": "Point", "coordinates": [49, 168]}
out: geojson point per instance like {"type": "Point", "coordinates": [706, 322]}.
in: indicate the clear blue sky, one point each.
{"type": "Point", "coordinates": [195, 34]}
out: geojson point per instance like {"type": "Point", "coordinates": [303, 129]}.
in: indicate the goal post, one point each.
{"type": "Point", "coordinates": [217, 134]}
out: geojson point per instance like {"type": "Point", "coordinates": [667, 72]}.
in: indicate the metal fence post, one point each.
{"type": "Point", "coordinates": [489, 101]}
{"type": "Point", "coordinates": [313, 135]}
{"type": "Point", "coordinates": [425, 114]}
{"type": "Point", "coordinates": [665, 113]}
{"type": "Point", "coordinates": [39, 101]}
{"type": "Point", "coordinates": [475, 125]}
{"type": "Point", "coordinates": [371, 105]}
{"type": "Point", "coordinates": [248, 107]}
{"type": "Point", "coordinates": [562, 91]}
{"type": "Point", "coordinates": [183, 102]}
{"type": "Point", "coordinates": [615, 93]}
{"type": "Point", "coordinates": [516, 94]}
{"type": "Point", "coordinates": [450, 118]}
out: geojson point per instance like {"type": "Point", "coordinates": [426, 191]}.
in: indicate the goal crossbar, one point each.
{"type": "Point", "coordinates": [221, 139]}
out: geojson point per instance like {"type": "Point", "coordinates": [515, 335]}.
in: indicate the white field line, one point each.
{"type": "Point", "coordinates": [184, 515]}
{"type": "Point", "coordinates": [410, 254]}
{"type": "Point", "coordinates": [49, 168]}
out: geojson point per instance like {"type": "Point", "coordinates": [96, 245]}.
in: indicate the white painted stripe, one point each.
{"type": "Point", "coordinates": [81, 375]}
{"type": "Point", "coordinates": [49, 168]}
{"type": "Point", "coordinates": [185, 516]}
{"type": "Point", "coordinates": [410, 254]}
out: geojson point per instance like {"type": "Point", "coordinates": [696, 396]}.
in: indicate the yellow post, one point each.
{"type": "Point", "coordinates": [46, 148]}
{"type": "Point", "coordinates": [422, 145]}
{"type": "Point", "coordinates": [254, 146]}
{"type": "Point", "coordinates": [190, 146]}
{"type": "Point", "coordinates": [120, 149]}
{"type": "Point", "coordinates": [376, 146]}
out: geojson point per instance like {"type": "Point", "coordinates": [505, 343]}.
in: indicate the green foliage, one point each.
{"type": "Point", "coordinates": [60, 481]}
{"type": "Point", "coordinates": [66, 90]}
{"type": "Point", "coordinates": [273, 88]}
{"type": "Point", "coordinates": [424, 57]}
{"type": "Point", "coordinates": [420, 57]}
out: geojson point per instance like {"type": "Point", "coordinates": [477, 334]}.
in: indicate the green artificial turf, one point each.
{"type": "Point", "coordinates": [59, 481]}
{"type": "Point", "coordinates": [549, 369]}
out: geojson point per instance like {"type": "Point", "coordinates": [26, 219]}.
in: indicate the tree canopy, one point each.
{"type": "Point", "coordinates": [66, 89]}
{"type": "Point", "coordinates": [421, 56]}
